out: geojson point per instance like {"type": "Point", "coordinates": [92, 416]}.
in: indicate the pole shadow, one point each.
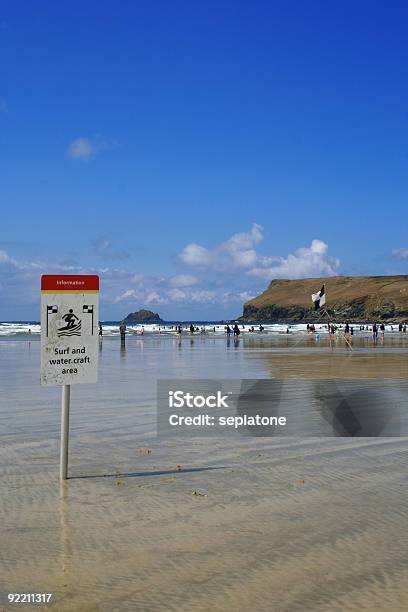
{"type": "Point", "coordinates": [145, 474]}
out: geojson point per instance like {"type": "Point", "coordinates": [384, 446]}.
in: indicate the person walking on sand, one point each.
{"type": "Point", "coordinates": [236, 329]}
{"type": "Point", "coordinates": [228, 329]}
{"type": "Point", "coordinates": [192, 329]}
{"type": "Point", "coordinates": [375, 332]}
{"type": "Point", "coordinates": [100, 328]}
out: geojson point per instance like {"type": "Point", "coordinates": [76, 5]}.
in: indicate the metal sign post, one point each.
{"type": "Point", "coordinates": [65, 400]}
{"type": "Point", "coordinates": [69, 340]}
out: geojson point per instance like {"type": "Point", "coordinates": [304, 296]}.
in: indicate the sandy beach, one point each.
{"type": "Point", "coordinates": [203, 524]}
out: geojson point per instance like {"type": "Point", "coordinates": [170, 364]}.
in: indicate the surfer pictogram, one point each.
{"type": "Point", "coordinates": [72, 327]}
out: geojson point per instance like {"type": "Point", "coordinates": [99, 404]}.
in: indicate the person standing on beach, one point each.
{"type": "Point", "coordinates": [228, 329]}
{"type": "Point", "coordinates": [122, 329]}
{"type": "Point", "coordinates": [236, 330]}
{"type": "Point", "coordinates": [100, 328]}
{"type": "Point", "coordinates": [375, 332]}
{"type": "Point", "coordinates": [191, 329]}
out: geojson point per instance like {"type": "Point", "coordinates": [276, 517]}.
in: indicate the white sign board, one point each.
{"type": "Point", "coordinates": [69, 329]}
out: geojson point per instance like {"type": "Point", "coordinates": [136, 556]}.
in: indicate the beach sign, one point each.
{"type": "Point", "coordinates": [69, 329]}
{"type": "Point", "coordinates": [69, 340]}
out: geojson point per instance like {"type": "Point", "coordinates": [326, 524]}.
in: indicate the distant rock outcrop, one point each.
{"type": "Point", "coordinates": [348, 298]}
{"type": "Point", "coordinates": [143, 316]}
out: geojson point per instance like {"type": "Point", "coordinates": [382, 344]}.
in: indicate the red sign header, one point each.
{"type": "Point", "coordinates": [69, 282]}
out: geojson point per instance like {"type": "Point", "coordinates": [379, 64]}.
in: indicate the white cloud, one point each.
{"type": "Point", "coordinates": [81, 148]}
{"type": "Point", "coordinates": [239, 252]}
{"type": "Point", "coordinates": [183, 280]}
{"type": "Point", "coordinates": [229, 297]}
{"type": "Point", "coordinates": [21, 267]}
{"type": "Point", "coordinates": [195, 255]}
{"type": "Point", "coordinates": [153, 297]}
{"type": "Point", "coordinates": [303, 263]}
{"type": "Point", "coordinates": [245, 240]}
{"type": "Point", "coordinates": [203, 296]}
{"type": "Point", "coordinates": [244, 259]}
{"type": "Point", "coordinates": [137, 279]}
{"type": "Point", "coordinates": [177, 295]}
{"type": "Point", "coordinates": [245, 296]}
{"type": "Point", "coordinates": [236, 252]}
{"type": "Point", "coordinates": [126, 296]}
{"type": "Point", "coordinates": [400, 253]}
{"type": "Point", "coordinates": [4, 257]}
{"type": "Point", "coordinates": [85, 148]}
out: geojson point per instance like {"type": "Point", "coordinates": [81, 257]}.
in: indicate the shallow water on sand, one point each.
{"type": "Point", "coordinates": [208, 523]}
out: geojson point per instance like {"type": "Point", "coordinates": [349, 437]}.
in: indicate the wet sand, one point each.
{"type": "Point", "coordinates": [221, 524]}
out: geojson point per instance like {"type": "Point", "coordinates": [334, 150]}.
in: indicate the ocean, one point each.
{"type": "Point", "coordinates": [111, 328]}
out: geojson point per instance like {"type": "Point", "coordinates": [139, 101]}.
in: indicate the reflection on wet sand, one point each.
{"type": "Point", "coordinates": [344, 365]}
{"type": "Point", "coordinates": [311, 359]}
{"type": "Point", "coordinates": [66, 540]}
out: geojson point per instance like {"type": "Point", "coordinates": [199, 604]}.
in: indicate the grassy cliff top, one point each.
{"type": "Point", "coordinates": [339, 289]}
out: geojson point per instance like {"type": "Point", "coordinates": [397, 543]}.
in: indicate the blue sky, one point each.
{"type": "Point", "coordinates": [189, 152]}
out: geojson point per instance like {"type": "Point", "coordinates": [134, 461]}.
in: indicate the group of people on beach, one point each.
{"type": "Point", "coordinates": [229, 329]}
{"type": "Point", "coordinates": [235, 330]}
{"type": "Point", "coordinates": [348, 330]}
